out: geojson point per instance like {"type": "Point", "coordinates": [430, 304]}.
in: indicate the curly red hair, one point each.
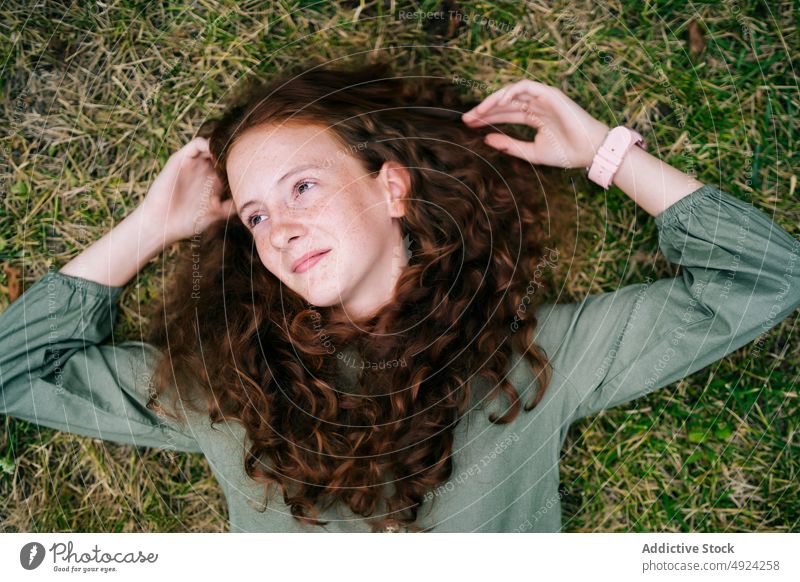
{"type": "Point", "coordinates": [462, 304]}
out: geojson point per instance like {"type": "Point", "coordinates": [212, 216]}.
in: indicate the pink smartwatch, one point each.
{"type": "Point", "coordinates": [609, 157]}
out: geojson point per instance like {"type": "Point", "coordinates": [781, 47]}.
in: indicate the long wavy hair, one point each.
{"type": "Point", "coordinates": [477, 221]}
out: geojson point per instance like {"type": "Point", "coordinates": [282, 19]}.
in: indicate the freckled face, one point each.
{"type": "Point", "coordinates": [300, 191]}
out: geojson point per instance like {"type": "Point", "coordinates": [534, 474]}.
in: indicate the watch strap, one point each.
{"type": "Point", "coordinates": [609, 157]}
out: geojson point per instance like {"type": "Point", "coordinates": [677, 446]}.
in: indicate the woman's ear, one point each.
{"type": "Point", "coordinates": [396, 183]}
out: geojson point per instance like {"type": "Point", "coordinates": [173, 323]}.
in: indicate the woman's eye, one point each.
{"type": "Point", "coordinates": [251, 221]}
{"type": "Point", "coordinates": [301, 184]}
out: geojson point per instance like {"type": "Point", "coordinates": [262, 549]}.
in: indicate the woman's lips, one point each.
{"type": "Point", "coordinates": [305, 264]}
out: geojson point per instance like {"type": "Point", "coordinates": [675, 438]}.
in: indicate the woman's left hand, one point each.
{"type": "Point", "coordinates": [185, 198]}
{"type": "Point", "coordinates": [567, 136]}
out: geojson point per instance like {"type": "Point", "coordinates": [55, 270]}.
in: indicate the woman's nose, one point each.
{"type": "Point", "coordinates": [285, 229]}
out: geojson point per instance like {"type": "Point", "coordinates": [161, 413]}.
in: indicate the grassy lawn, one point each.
{"type": "Point", "coordinates": [97, 98]}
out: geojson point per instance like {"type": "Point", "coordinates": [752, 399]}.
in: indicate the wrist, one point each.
{"type": "Point", "coordinates": [144, 236]}
{"type": "Point", "coordinates": [596, 138]}
{"type": "Point", "coordinates": [120, 253]}
{"type": "Point", "coordinates": [153, 232]}
{"type": "Point", "coordinates": [612, 153]}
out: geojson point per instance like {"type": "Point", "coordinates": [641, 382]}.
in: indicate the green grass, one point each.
{"type": "Point", "coordinates": [96, 100]}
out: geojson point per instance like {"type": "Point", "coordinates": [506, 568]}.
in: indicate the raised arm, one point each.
{"type": "Point", "coordinates": [54, 370]}
{"type": "Point", "coordinates": [738, 279]}
{"type": "Point", "coordinates": [182, 201]}
{"type": "Point", "coordinates": [739, 274]}
{"type": "Point", "coordinates": [568, 137]}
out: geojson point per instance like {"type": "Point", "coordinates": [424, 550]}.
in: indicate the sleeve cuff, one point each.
{"type": "Point", "coordinates": [79, 283]}
{"type": "Point", "coordinates": [684, 205]}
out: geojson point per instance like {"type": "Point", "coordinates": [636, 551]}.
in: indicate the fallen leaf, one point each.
{"type": "Point", "coordinates": [12, 277]}
{"type": "Point", "coordinates": [697, 40]}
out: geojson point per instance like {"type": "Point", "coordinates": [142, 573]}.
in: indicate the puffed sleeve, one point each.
{"type": "Point", "coordinates": [55, 372]}
{"type": "Point", "coordinates": [738, 279]}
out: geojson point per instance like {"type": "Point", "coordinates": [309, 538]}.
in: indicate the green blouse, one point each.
{"type": "Point", "coordinates": [738, 280]}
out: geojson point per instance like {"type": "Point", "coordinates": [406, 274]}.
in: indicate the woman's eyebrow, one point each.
{"type": "Point", "coordinates": [296, 169]}
{"type": "Point", "coordinates": [299, 168]}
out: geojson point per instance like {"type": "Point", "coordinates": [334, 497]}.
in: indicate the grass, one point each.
{"type": "Point", "coordinates": [96, 99]}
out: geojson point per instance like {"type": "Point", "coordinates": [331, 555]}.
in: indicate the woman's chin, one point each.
{"type": "Point", "coordinates": [322, 298]}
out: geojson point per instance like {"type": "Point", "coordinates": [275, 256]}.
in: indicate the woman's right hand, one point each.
{"type": "Point", "coordinates": [184, 198]}
{"type": "Point", "coordinates": [567, 135]}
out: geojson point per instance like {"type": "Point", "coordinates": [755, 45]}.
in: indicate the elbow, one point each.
{"type": "Point", "coordinates": [739, 309]}
{"type": "Point", "coordinates": [783, 302]}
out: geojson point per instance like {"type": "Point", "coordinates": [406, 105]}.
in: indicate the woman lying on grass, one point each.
{"type": "Point", "coordinates": [355, 338]}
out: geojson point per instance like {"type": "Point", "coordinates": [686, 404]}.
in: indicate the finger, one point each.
{"type": "Point", "coordinates": [514, 147]}
{"type": "Point", "coordinates": [196, 147]}
{"type": "Point", "coordinates": [514, 106]}
{"type": "Point", "coordinates": [509, 116]}
{"type": "Point", "coordinates": [485, 104]}
{"type": "Point", "coordinates": [527, 88]}
{"type": "Point", "coordinates": [212, 182]}
{"type": "Point", "coordinates": [494, 98]}
{"type": "Point", "coordinates": [520, 117]}
{"type": "Point", "coordinates": [516, 100]}
{"type": "Point", "coordinates": [484, 117]}
{"type": "Point", "coordinates": [228, 208]}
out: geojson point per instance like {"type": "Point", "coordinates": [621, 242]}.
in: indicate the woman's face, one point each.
{"type": "Point", "coordinates": [299, 191]}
